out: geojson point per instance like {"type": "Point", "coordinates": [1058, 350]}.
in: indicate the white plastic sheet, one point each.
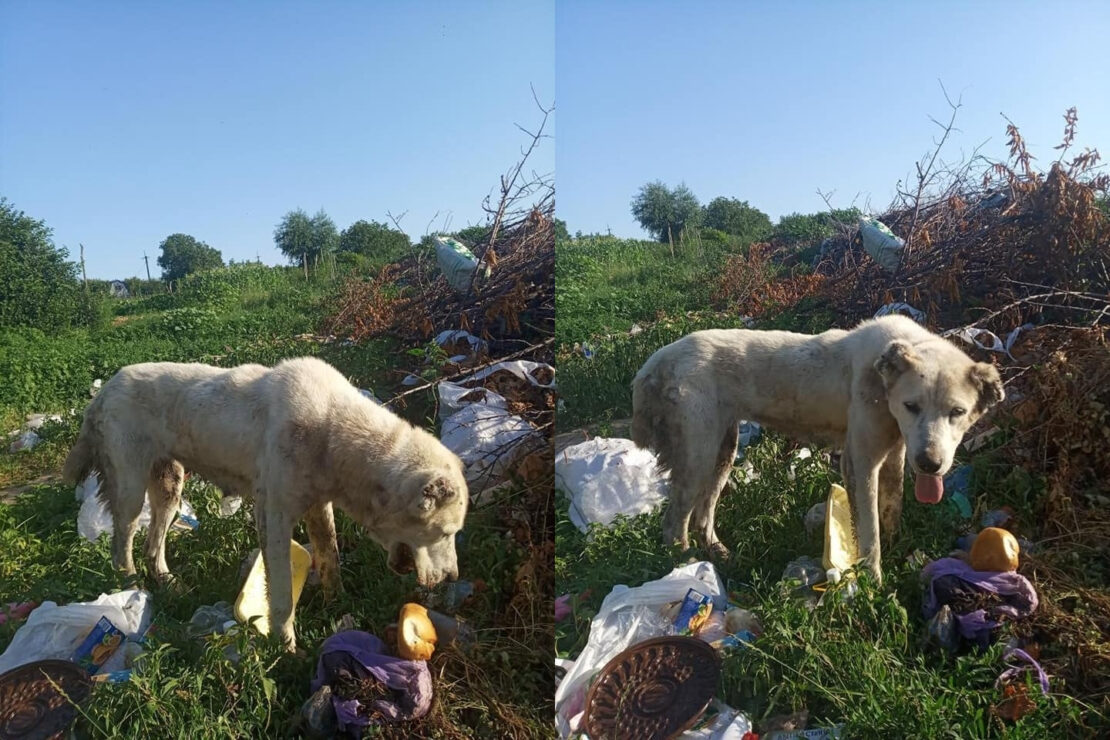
{"type": "Point", "coordinates": [55, 632]}
{"type": "Point", "coordinates": [94, 518]}
{"type": "Point", "coordinates": [487, 439]}
{"type": "Point", "coordinates": [453, 397]}
{"type": "Point", "coordinates": [607, 477]}
{"type": "Point", "coordinates": [628, 616]}
{"type": "Point", "coordinates": [523, 369]}
{"type": "Point", "coordinates": [901, 308]}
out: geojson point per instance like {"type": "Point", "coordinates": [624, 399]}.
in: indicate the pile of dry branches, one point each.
{"type": "Point", "coordinates": [986, 235]}
{"type": "Point", "coordinates": [511, 309]}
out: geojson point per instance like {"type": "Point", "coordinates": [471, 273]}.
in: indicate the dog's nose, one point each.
{"type": "Point", "coordinates": [926, 464]}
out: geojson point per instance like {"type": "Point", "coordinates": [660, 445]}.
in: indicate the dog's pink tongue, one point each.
{"type": "Point", "coordinates": [929, 489]}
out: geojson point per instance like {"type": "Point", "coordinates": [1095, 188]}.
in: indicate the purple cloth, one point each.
{"type": "Point", "coordinates": [1014, 670]}
{"type": "Point", "coordinates": [362, 654]}
{"type": "Point", "coordinates": [1020, 596]}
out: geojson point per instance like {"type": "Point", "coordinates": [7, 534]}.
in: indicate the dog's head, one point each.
{"type": "Point", "coordinates": [935, 392]}
{"type": "Point", "coordinates": [426, 542]}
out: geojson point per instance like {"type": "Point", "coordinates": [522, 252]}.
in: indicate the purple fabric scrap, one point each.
{"type": "Point", "coordinates": [409, 681]}
{"type": "Point", "coordinates": [977, 625]}
{"type": "Point", "coordinates": [1014, 670]}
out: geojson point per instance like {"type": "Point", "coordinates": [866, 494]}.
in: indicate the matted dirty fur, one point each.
{"type": "Point", "coordinates": [296, 439]}
{"type": "Point", "coordinates": [875, 391]}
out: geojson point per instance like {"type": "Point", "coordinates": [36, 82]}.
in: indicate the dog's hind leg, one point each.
{"type": "Point", "coordinates": [891, 491]}
{"type": "Point", "coordinates": [320, 522]}
{"type": "Point", "coordinates": [705, 510]}
{"type": "Point", "coordinates": [693, 477]}
{"type": "Point", "coordinates": [167, 478]}
{"type": "Point", "coordinates": [124, 489]}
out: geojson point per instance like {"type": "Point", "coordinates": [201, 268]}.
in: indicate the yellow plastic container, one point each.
{"type": "Point", "coordinates": [252, 601]}
{"type": "Point", "coordinates": [841, 549]}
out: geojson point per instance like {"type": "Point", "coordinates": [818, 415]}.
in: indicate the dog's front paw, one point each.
{"type": "Point", "coordinates": [719, 553]}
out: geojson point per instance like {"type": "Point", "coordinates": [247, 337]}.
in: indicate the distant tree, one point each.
{"type": "Point", "coordinates": [471, 235]}
{"type": "Point", "coordinates": [40, 286]}
{"type": "Point", "coordinates": [561, 232]}
{"type": "Point", "coordinates": [799, 228]}
{"type": "Point", "coordinates": [666, 213]}
{"type": "Point", "coordinates": [737, 218]}
{"type": "Point", "coordinates": [373, 240]}
{"type": "Point", "coordinates": [305, 240]}
{"type": "Point", "coordinates": [183, 255]}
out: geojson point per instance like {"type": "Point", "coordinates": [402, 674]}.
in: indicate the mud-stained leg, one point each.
{"type": "Point", "coordinates": [167, 478]}
{"type": "Point", "coordinates": [279, 575]}
{"type": "Point", "coordinates": [320, 522]}
{"type": "Point", "coordinates": [124, 489]}
{"type": "Point", "coordinates": [861, 478]}
{"type": "Point", "coordinates": [891, 492]}
{"type": "Point", "coordinates": [705, 511]}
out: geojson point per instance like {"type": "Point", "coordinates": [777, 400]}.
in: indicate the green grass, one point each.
{"type": "Point", "coordinates": [501, 685]}
{"type": "Point", "coordinates": [859, 662]}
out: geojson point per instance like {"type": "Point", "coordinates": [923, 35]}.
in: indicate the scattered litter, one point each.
{"type": "Point", "coordinates": [629, 616]}
{"type": "Point", "coordinates": [16, 612]}
{"type": "Point", "coordinates": [368, 686]}
{"type": "Point", "coordinates": [604, 478]}
{"type": "Point", "coordinates": [95, 518]}
{"type": "Point", "coordinates": [456, 594]}
{"type": "Point", "coordinates": [488, 440]}
{"type": "Point", "coordinates": [457, 337]}
{"type": "Point", "coordinates": [318, 714]}
{"type": "Point", "coordinates": [750, 432]}
{"type": "Point", "coordinates": [58, 632]}
{"type": "Point", "coordinates": [956, 487]}
{"type": "Point", "coordinates": [997, 517]}
{"type": "Point", "coordinates": [817, 733]}
{"type": "Point", "coordinates": [587, 350]}
{"type": "Point", "coordinates": [410, 379]}
{"type": "Point", "coordinates": [1014, 670]}
{"type": "Point", "coordinates": [253, 603]}
{"type": "Point", "coordinates": [904, 309]}
{"type": "Point", "coordinates": [636, 329]}
{"type": "Point", "coordinates": [230, 505]}
{"type": "Point", "coordinates": [805, 571]}
{"type": "Point", "coordinates": [458, 264]}
{"type": "Point", "coordinates": [802, 453]}
{"type": "Point", "coordinates": [720, 722]}
{"type": "Point", "coordinates": [980, 600]}
{"type": "Point", "coordinates": [536, 373]}
{"type": "Point", "coordinates": [562, 607]}
{"type": "Point", "coordinates": [28, 440]}
{"type": "Point", "coordinates": [42, 699]}
{"type": "Point", "coordinates": [35, 421]}
{"type": "Point", "coordinates": [881, 243]}
{"type": "Point", "coordinates": [451, 630]}
{"type": "Point", "coordinates": [95, 388]}
{"type": "Point", "coordinates": [941, 630]}
{"type": "Point", "coordinates": [217, 618]}
{"type": "Point", "coordinates": [815, 518]}
{"type": "Point", "coordinates": [454, 397]}
{"type": "Point", "coordinates": [991, 342]}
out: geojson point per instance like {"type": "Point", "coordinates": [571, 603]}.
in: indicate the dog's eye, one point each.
{"type": "Point", "coordinates": [913, 408]}
{"type": "Point", "coordinates": [957, 412]}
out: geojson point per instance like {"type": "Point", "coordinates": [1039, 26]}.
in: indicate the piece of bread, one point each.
{"type": "Point", "coordinates": [416, 636]}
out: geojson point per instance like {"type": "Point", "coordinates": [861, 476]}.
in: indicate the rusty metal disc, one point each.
{"type": "Point", "coordinates": [32, 708]}
{"type": "Point", "coordinates": [654, 690]}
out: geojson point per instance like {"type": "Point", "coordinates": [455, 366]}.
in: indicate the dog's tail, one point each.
{"type": "Point", "coordinates": [82, 459]}
{"type": "Point", "coordinates": [650, 413]}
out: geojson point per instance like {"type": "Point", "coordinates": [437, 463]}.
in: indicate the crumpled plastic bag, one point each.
{"type": "Point", "coordinates": [361, 654]}
{"type": "Point", "coordinates": [628, 616]}
{"type": "Point", "coordinates": [881, 243]}
{"type": "Point", "coordinates": [95, 518]}
{"type": "Point", "coordinates": [1019, 598]}
{"type": "Point", "coordinates": [487, 439]}
{"type": "Point", "coordinates": [27, 441]}
{"type": "Point", "coordinates": [55, 632]}
{"type": "Point", "coordinates": [454, 397]}
{"type": "Point", "coordinates": [605, 478]}
{"type": "Point", "coordinates": [904, 309]}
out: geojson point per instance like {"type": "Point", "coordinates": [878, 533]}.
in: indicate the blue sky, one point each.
{"type": "Point", "coordinates": [121, 123]}
{"type": "Point", "coordinates": [769, 102]}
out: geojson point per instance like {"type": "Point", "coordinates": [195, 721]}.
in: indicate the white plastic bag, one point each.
{"type": "Point", "coordinates": [905, 309]}
{"type": "Point", "coordinates": [457, 263]}
{"type": "Point", "coordinates": [453, 397]}
{"type": "Point", "coordinates": [487, 439]}
{"type": "Point", "coordinates": [452, 336]}
{"type": "Point", "coordinates": [881, 243]}
{"type": "Point", "coordinates": [607, 477]}
{"type": "Point", "coordinates": [628, 616]}
{"type": "Point", "coordinates": [55, 632]}
{"type": "Point", "coordinates": [95, 518]}
{"type": "Point", "coordinates": [523, 369]}
{"type": "Point", "coordinates": [28, 440]}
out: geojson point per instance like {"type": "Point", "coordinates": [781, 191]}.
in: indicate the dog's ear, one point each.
{"type": "Point", "coordinates": [897, 358]}
{"type": "Point", "coordinates": [437, 493]}
{"type": "Point", "coordinates": [985, 377]}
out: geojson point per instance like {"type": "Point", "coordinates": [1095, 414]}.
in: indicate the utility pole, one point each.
{"type": "Point", "coordinates": [84, 275]}
{"type": "Point", "coordinates": [147, 261]}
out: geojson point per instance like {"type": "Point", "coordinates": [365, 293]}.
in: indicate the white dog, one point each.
{"type": "Point", "coordinates": [296, 439]}
{"type": "Point", "coordinates": [884, 387]}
